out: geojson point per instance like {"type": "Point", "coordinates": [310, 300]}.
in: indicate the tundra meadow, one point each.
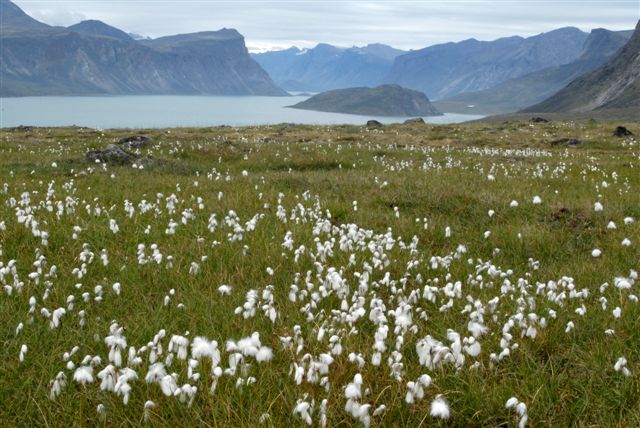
{"type": "Point", "coordinates": [480, 274]}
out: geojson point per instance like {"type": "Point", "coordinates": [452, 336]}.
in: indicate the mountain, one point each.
{"type": "Point", "coordinates": [12, 18]}
{"type": "Point", "coordinates": [614, 85]}
{"type": "Point", "coordinates": [99, 28]}
{"type": "Point", "coordinates": [445, 70]}
{"type": "Point", "coordinates": [516, 94]}
{"type": "Point", "coordinates": [384, 100]}
{"type": "Point", "coordinates": [94, 58]}
{"type": "Point", "coordinates": [327, 67]}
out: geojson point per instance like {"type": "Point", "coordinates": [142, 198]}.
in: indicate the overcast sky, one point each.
{"type": "Point", "coordinates": [406, 24]}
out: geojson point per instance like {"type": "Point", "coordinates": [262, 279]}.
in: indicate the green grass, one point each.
{"type": "Point", "coordinates": [433, 172]}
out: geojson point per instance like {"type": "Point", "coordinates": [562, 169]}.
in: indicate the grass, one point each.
{"type": "Point", "coordinates": [437, 173]}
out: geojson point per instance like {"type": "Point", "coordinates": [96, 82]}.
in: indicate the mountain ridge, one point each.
{"type": "Point", "coordinates": [613, 85]}
{"type": "Point", "coordinates": [521, 92]}
{"type": "Point", "coordinates": [325, 67]}
{"type": "Point", "coordinates": [93, 58]}
{"type": "Point", "coordinates": [445, 70]}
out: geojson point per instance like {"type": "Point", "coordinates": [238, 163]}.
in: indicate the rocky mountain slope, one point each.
{"type": "Point", "coordinates": [614, 85]}
{"type": "Point", "coordinates": [384, 100]}
{"type": "Point", "coordinates": [94, 58]}
{"type": "Point", "coordinates": [445, 70]}
{"type": "Point", "coordinates": [516, 94]}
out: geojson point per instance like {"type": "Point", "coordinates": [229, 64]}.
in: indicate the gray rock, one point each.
{"type": "Point", "coordinates": [415, 120]}
{"type": "Point", "coordinates": [111, 154]}
{"type": "Point", "coordinates": [135, 142]}
{"type": "Point", "coordinates": [621, 131]}
{"type": "Point", "coordinates": [373, 123]}
{"type": "Point", "coordinates": [539, 119]}
{"type": "Point", "coordinates": [567, 142]}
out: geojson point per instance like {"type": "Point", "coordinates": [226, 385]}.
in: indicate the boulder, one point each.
{"type": "Point", "coordinates": [373, 123]}
{"type": "Point", "coordinates": [538, 119]}
{"type": "Point", "coordinates": [134, 142]}
{"type": "Point", "coordinates": [415, 120]}
{"type": "Point", "coordinates": [621, 131]}
{"type": "Point", "coordinates": [566, 142]}
{"type": "Point", "coordinates": [111, 154]}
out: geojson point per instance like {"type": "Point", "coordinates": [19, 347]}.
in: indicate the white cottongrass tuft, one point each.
{"type": "Point", "coordinates": [537, 200]}
{"type": "Point", "coordinates": [621, 366]}
{"type": "Point", "coordinates": [148, 406]}
{"type": "Point", "coordinates": [224, 289]}
{"type": "Point", "coordinates": [596, 252]}
{"type": "Point", "coordinates": [440, 408]}
{"type": "Point", "coordinates": [83, 375]}
{"type": "Point", "coordinates": [23, 351]}
{"type": "Point", "coordinates": [520, 408]}
{"type": "Point", "coordinates": [264, 354]}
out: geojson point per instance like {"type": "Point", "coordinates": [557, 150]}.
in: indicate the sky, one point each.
{"type": "Point", "coordinates": [404, 24]}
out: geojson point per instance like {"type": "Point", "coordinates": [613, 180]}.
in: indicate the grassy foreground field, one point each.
{"type": "Point", "coordinates": [334, 267]}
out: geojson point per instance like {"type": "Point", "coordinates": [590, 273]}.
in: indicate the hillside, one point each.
{"type": "Point", "coordinates": [384, 100]}
{"type": "Point", "coordinates": [445, 70]}
{"type": "Point", "coordinates": [326, 67]}
{"type": "Point", "coordinates": [518, 93]}
{"type": "Point", "coordinates": [92, 58]}
{"type": "Point", "coordinates": [614, 85]}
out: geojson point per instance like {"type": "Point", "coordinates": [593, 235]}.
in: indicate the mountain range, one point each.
{"type": "Point", "coordinates": [613, 85]}
{"type": "Point", "coordinates": [327, 67]}
{"type": "Point", "coordinates": [94, 58]}
{"type": "Point", "coordinates": [520, 92]}
{"type": "Point", "coordinates": [445, 70]}
{"type": "Point", "coordinates": [586, 71]}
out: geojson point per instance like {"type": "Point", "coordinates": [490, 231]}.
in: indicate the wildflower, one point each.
{"type": "Point", "coordinates": [116, 343]}
{"type": "Point", "coordinates": [224, 289]}
{"type": "Point", "coordinates": [596, 252]}
{"type": "Point", "coordinates": [83, 375]}
{"type": "Point", "coordinates": [520, 408]}
{"type": "Point", "coordinates": [440, 408]}
{"type": "Point", "coordinates": [537, 200]}
{"type": "Point", "coordinates": [148, 406]}
{"type": "Point", "coordinates": [108, 378]}
{"type": "Point", "coordinates": [23, 351]}
{"type": "Point", "coordinates": [621, 365]}
{"type": "Point", "coordinates": [597, 207]}
{"type": "Point", "coordinates": [264, 354]}
{"type": "Point", "coordinates": [201, 347]}
{"type": "Point", "coordinates": [304, 410]}
{"type": "Point", "coordinates": [179, 344]}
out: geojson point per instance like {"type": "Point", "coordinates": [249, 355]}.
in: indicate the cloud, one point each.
{"type": "Point", "coordinates": [407, 24]}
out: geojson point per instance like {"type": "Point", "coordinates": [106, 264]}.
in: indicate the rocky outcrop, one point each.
{"type": "Point", "coordinates": [111, 154]}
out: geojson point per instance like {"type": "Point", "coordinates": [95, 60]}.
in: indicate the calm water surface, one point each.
{"type": "Point", "coordinates": [160, 111]}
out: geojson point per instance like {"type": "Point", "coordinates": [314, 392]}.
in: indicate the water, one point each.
{"type": "Point", "coordinates": [161, 111]}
